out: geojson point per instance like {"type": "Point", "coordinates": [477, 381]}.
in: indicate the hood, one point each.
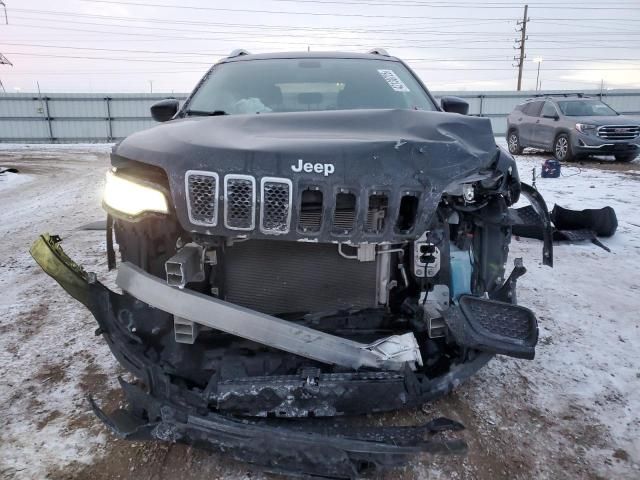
{"type": "Point", "coordinates": [357, 150]}
{"type": "Point", "coordinates": [607, 120]}
{"type": "Point", "coordinates": [203, 142]}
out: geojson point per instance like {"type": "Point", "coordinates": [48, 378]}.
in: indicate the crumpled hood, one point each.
{"type": "Point", "coordinates": [358, 150]}
{"type": "Point", "coordinates": [339, 135]}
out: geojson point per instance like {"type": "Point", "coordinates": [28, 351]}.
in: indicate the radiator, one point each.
{"type": "Point", "coordinates": [284, 277]}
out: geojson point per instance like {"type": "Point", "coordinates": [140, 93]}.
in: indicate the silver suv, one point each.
{"type": "Point", "coordinates": [572, 127]}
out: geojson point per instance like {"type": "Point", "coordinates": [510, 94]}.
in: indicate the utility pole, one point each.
{"type": "Point", "coordinates": [151, 86]}
{"type": "Point", "coordinates": [6, 19]}
{"type": "Point", "coordinates": [520, 45]}
{"type": "Point", "coordinates": [4, 61]}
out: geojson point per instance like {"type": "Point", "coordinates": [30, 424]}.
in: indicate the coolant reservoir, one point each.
{"type": "Point", "coordinates": [461, 269]}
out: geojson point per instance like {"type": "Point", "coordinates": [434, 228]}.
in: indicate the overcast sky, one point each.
{"type": "Point", "coordinates": [136, 45]}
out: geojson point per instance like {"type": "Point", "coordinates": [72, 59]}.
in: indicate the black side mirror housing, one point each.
{"type": "Point", "coordinates": [165, 109]}
{"type": "Point", "coordinates": [454, 105]}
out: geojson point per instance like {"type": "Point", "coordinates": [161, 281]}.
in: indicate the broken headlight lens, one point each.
{"type": "Point", "coordinates": [131, 198]}
{"type": "Point", "coordinates": [586, 128]}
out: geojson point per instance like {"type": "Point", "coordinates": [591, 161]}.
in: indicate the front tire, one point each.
{"type": "Point", "coordinates": [513, 143]}
{"type": "Point", "coordinates": [626, 158]}
{"type": "Point", "coordinates": [562, 148]}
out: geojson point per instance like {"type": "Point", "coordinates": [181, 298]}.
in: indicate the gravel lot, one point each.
{"type": "Point", "coordinates": [573, 412]}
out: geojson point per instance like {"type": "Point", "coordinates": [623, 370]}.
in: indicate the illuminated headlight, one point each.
{"type": "Point", "coordinates": [131, 198]}
{"type": "Point", "coordinates": [586, 127]}
{"type": "Point", "coordinates": [468, 192]}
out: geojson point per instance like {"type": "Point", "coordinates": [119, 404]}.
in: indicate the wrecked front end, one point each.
{"type": "Point", "coordinates": [305, 266]}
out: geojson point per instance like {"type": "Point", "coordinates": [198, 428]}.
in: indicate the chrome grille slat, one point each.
{"type": "Point", "coordinates": [275, 205]}
{"type": "Point", "coordinates": [619, 132]}
{"type": "Point", "coordinates": [239, 202]}
{"type": "Point", "coordinates": [344, 219]}
{"type": "Point", "coordinates": [202, 197]}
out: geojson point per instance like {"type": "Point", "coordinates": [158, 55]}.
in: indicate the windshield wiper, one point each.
{"type": "Point", "coordinates": [203, 113]}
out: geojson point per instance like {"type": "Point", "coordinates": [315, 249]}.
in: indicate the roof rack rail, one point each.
{"type": "Point", "coordinates": [577, 94]}
{"type": "Point", "coordinates": [238, 52]}
{"type": "Point", "coordinates": [379, 51]}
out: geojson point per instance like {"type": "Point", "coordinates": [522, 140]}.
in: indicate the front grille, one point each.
{"type": "Point", "coordinates": [619, 132]}
{"type": "Point", "coordinates": [239, 202]}
{"type": "Point", "coordinates": [202, 196]}
{"type": "Point", "coordinates": [312, 211]}
{"type": "Point", "coordinates": [275, 205]}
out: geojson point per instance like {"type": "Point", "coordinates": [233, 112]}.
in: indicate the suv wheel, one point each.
{"type": "Point", "coordinates": [626, 158]}
{"type": "Point", "coordinates": [513, 142]}
{"type": "Point", "coordinates": [562, 148]}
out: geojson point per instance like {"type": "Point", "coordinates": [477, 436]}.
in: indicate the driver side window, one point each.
{"type": "Point", "coordinates": [549, 110]}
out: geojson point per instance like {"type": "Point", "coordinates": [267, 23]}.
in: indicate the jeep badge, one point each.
{"type": "Point", "coordinates": [325, 168]}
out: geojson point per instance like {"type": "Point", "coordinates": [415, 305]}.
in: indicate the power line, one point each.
{"type": "Point", "coordinates": [304, 41]}
{"type": "Point", "coordinates": [211, 54]}
{"type": "Point", "coordinates": [191, 7]}
{"type": "Point", "coordinates": [279, 12]}
{"type": "Point", "coordinates": [365, 29]}
{"type": "Point", "coordinates": [406, 3]}
{"type": "Point", "coordinates": [128, 59]}
{"type": "Point", "coordinates": [439, 44]}
{"type": "Point", "coordinates": [438, 33]}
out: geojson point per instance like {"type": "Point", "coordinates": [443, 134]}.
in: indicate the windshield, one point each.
{"type": "Point", "coordinates": [312, 84]}
{"type": "Point", "coordinates": [585, 108]}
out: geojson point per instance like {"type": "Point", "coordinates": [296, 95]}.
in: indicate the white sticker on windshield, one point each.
{"type": "Point", "coordinates": [393, 80]}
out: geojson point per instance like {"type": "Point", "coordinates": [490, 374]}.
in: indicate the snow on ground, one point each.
{"type": "Point", "coordinates": [570, 413]}
{"type": "Point", "coordinates": [12, 180]}
{"type": "Point", "coordinates": [41, 148]}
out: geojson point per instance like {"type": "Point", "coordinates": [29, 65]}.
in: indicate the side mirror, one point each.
{"type": "Point", "coordinates": [454, 105]}
{"type": "Point", "coordinates": [164, 109]}
{"type": "Point", "coordinates": [555, 116]}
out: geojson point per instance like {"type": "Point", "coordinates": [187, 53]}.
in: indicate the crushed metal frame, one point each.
{"type": "Point", "coordinates": [167, 411]}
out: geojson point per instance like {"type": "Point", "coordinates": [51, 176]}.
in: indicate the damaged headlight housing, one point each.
{"type": "Point", "coordinates": [130, 198]}
{"type": "Point", "coordinates": [586, 128]}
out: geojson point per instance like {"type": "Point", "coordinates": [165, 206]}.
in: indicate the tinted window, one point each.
{"type": "Point", "coordinates": [549, 110]}
{"type": "Point", "coordinates": [311, 84]}
{"type": "Point", "coordinates": [533, 108]}
{"type": "Point", "coordinates": [586, 108]}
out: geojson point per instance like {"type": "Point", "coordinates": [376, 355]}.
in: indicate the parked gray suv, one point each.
{"type": "Point", "coordinates": [572, 127]}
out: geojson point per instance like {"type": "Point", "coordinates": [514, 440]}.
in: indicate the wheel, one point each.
{"type": "Point", "coordinates": [562, 148]}
{"type": "Point", "coordinates": [627, 157]}
{"type": "Point", "coordinates": [513, 142]}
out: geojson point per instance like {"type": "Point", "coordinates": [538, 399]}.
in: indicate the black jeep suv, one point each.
{"type": "Point", "coordinates": [572, 127]}
{"type": "Point", "coordinates": [309, 235]}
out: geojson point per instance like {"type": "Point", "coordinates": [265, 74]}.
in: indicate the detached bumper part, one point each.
{"type": "Point", "coordinates": [340, 451]}
{"type": "Point", "coordinates": [492, 326]}
{"type": "Point", "coordinates": [390, 353]}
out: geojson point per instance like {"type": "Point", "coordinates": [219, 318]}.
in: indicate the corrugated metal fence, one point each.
{"type": "Point", "coordinates": [80, 117]}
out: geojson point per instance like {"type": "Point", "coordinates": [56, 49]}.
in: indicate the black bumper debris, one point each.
{"type": "Point", "coordinates": [306, 448]}
{"type": "Point", "coordinates": [493, 326]}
